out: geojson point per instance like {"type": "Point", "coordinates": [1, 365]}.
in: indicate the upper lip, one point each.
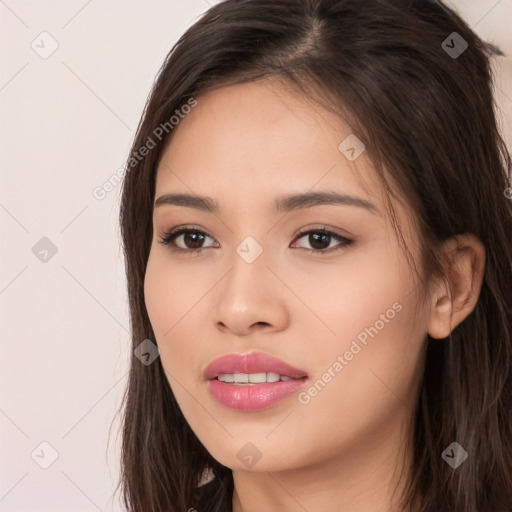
{"type": "Point", "coordinates": [253, 362]}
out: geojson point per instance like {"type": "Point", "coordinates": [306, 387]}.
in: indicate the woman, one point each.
{"type": "Point", "coordinates": [318, 240]}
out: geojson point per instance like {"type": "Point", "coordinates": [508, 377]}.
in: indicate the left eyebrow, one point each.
{"type": "Point", "coordinates": [285, 203]}
{"type": "Point", "coordinates": [310, 199]}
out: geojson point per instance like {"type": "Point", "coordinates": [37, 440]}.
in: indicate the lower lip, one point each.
{"type": "Point", "coordinates": [246, 397]}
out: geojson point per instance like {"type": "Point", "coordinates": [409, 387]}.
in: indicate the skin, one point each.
{"type": "Point", "coordinates": [244, 146]}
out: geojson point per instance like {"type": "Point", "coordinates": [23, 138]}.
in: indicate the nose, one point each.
{"type": "Point", "coordinates": [251, 299]}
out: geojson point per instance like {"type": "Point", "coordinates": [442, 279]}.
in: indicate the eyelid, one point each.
{"type": "Point", "coordinates": [324, 227]}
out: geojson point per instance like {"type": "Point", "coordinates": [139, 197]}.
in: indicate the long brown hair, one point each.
{"type": "Point", "coordinates": [427, 116]}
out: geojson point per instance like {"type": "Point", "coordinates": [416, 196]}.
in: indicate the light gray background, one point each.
{"type": "Point", "coordinates": [66, 124]}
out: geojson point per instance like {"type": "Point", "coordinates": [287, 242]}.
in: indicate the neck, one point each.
{"type": "Point", "coordinates": [371, 478]}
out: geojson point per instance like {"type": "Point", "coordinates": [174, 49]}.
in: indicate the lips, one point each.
{"type": "Point", "coordinates": [282, 381]}
{"type": "Point", "coordinates": [251, 363]}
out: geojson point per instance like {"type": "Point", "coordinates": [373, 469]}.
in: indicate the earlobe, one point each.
{"type": "Point", "coordinates": [455, 296]}
{"type": "Point", "coordinates": [440, 316]}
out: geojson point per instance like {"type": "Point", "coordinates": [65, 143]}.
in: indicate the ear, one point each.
{"type": "Point", "coordinates": [454, 298]}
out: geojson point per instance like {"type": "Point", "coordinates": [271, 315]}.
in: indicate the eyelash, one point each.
{"type": "Point", "coordinates": [169, 236]}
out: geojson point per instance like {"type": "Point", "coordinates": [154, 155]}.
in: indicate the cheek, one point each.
{"type": "Point", "coordinates": [372, 324]}
{"type": "Point", "coordinates": [158, 295]}
{"type": "Point", "coordinates": [170, 292]}
{"type": "Point", "coordinates": [349, 295]}
{"type": "Point", "coordinates": [366, 378]}
{"type": "Point", "coordinates": [168, 300]}
{"type": "Point", "coordinates": [177, 309]}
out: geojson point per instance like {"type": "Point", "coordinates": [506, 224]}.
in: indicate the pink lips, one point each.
{"type": "Point", "coordinates": [252, 397]}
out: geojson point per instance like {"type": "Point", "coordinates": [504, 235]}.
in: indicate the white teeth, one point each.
{"type": "Point", "coordinates": [252, 378]}
{"type": "Point", "coordinates": [257, 378]}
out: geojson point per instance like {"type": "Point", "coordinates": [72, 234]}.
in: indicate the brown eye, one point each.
{"type": "Point", "coordinates": [320, 240]}
{"type": "Point", "coordinates": [185, 240]}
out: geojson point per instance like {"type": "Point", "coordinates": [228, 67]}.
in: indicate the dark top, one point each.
{"type": "Point", "coordinates": [213, 497]}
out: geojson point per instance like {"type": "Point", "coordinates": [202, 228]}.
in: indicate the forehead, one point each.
{"type": "Point", "coordinates": [262, 138]}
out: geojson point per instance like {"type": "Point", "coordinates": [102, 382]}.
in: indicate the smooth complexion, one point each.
{"type": "Point", "coordinates": [245, 147]}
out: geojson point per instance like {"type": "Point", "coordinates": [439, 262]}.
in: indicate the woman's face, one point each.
{"type": "Point", "coordinates": [349, 317]}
